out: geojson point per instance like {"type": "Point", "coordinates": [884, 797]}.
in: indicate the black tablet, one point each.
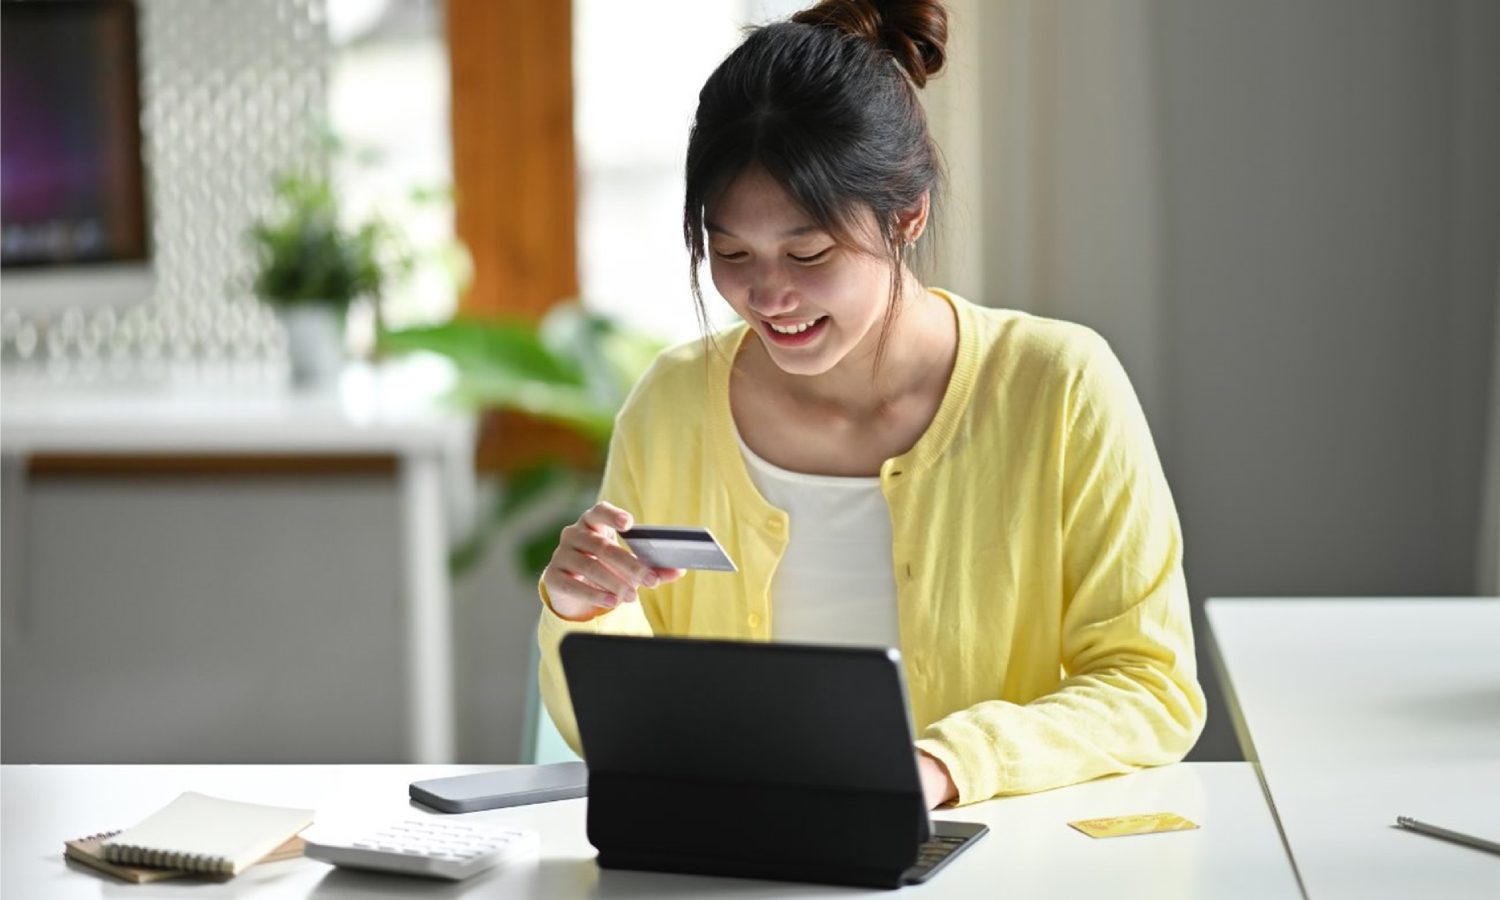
{"type": "Point", "coordinates": [786, 761]}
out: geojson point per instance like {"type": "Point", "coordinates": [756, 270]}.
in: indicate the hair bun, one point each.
{"type": "Point", "coordinates": [915, 32]}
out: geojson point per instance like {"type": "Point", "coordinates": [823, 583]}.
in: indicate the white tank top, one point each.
{"type": "Point", "coordinates": [835, 584]}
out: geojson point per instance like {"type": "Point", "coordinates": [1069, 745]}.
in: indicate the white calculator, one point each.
{"type": "Point", "coordinates": [429, 847]}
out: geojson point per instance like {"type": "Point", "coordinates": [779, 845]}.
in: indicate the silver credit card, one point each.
{"type": "Point", "coordinates": [677, 547]}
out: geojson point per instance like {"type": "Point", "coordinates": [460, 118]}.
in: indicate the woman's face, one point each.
{"type": "Point", "coordinates": [813, 301]}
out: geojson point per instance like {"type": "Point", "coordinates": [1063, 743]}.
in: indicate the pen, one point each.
{"type": "Point", "coordinates": [1459, 837]}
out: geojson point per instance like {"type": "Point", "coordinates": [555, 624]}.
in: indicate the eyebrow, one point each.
{"type": "Point", "coordinates": [795, 232]}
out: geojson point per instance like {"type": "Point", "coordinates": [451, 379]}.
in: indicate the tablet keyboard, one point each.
{"type": "Point", "coordinates": [936, 852]}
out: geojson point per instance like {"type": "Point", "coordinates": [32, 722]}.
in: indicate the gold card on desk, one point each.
{"type": "Point", "coordinates": [1121, 826]}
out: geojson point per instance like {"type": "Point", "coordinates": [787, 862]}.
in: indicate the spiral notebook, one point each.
{"type": "Point", "coordinates": [89, 851]}
{"type": "Point", "coordinates": [199, 833]}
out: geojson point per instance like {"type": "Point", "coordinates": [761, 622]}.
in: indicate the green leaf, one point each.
{"type": "Point", "coordinates": [304, 252]}
{"type": "Point", "coordinates": [467, 555]}
{"type": "Point", "coordinates": [575, 368]}
{"type": "Point", "coordinates": [570, 332]}
{"type": "Point", "coordinates": [526, 487]}
{"type": "Point", "coordinates": [630, 354]}
{"type": "Point", "coordinates": [570, 407]}
{"type": "Point", "coordinates": [508, 349]}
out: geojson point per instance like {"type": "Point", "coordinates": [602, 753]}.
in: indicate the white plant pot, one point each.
{"type": "Point", "coordinates": [314, 340]}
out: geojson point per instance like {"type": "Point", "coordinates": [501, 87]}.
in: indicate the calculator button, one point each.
{"type": "Point", "coordinates": [435, 849]}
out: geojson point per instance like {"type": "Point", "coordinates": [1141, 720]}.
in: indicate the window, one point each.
{"type": "Point", "coordinates": [637, 69]}
{"type": "Point", "coordinates": [388, 95]}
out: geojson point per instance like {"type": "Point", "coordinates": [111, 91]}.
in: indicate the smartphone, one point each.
{"type": "Point", "coordinates": [516, 786]}
{"type": "Point", "coordinates": [677, 547]}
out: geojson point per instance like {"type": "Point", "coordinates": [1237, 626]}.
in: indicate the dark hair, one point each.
{"type": "Point", "coordinates": [827, 105]}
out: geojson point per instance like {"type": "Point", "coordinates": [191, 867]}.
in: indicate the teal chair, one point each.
{"type": "Point", "coordinates": [540, 740]}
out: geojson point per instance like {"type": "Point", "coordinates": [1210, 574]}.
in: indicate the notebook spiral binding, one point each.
{"type": "Point", "coordinates": [166, 859]}
{"type": "Point", "coordinates": [101, 836]}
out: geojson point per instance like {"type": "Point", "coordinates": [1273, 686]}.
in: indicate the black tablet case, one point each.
{"type": "Point", "coordinates": [782, 761]}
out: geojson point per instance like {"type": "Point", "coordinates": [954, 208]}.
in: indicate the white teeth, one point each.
{"type": "Point", "coordinates": [796, 329]}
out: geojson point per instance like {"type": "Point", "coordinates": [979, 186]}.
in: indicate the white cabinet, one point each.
{"type": "Point", "coordinates": [205, 570]}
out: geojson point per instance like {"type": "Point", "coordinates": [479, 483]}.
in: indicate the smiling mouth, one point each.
{"type": "Point", "coordinates": [794, 329]}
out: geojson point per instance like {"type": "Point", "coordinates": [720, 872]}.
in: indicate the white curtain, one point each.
{"type": "Point", "coordinates": [1047, 119]}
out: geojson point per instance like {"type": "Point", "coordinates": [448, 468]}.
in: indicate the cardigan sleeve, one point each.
{"type": "Point", "coordinates": [1129, 696]}
{"type": "Point", "coordinates": [620, 487]}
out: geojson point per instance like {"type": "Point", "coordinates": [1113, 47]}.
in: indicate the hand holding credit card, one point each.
{"type": "Point", "coordinates": [593, 571]}
{"type": "Point", "coordinates": [677, 547]}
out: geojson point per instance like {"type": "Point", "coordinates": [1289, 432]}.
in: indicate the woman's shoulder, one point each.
{"type": "Point", "coordinates": [683, 364]}
{"type": "Point", "coordinates": [681, 377]}
{"type": "Point", "coordinates": [1024, 341]}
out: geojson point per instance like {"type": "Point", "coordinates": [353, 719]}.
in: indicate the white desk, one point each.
{"type": "Point", "coordinates": [1030, 852]}
{"type": "Point", "coordinates": [1362, 710]}
{"type": "Point", "coordinates": [239, 412]}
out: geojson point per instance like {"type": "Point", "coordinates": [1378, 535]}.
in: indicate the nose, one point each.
{"type": "Point", "coordinates": [771, 293]}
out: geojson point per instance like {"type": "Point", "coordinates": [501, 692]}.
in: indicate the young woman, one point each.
{"type": "Point", "coordinates": [886, 463]}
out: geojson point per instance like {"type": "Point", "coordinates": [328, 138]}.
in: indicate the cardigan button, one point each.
{"type": "Point", "coordinates": [753, 620]}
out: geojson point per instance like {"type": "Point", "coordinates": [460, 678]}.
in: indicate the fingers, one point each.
{"type": "Point", "coordinates": [598, 562]}
{"type": "Point", "coordinates": [600, 545]}
{"type": "Point", "coordinates": [578, 590]}
{"type": "Point", "coordinates": [580, 587]}
{"type": "Point", "coordinates": [606, 573]}
{"type": "Point", "coordinates": [590, 571]}
{"type": "Point", "coordinates": [606, 518]}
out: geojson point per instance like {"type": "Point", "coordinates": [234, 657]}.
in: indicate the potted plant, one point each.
{"type": "Point", "coordinates": [573, 369]}
{"type": "Point", "coordinates": [311, 265]}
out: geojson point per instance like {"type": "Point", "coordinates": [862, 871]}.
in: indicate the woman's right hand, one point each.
{"type": "Point", "coordinates": [590, 573]}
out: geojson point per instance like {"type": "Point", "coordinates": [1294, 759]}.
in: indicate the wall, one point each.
{"type": "Point", "coordinates": [231, 93]}
{"type": "Point", "coordinates": [1284, 217]}
{"type": "Point", "coordinates": [1328, 319]}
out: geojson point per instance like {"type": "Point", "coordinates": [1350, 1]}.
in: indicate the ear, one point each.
{"type": "Point", "coordinates": [910, 223]}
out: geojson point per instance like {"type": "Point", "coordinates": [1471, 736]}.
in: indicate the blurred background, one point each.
{"type": "Point", "coordinates": [315, 313]}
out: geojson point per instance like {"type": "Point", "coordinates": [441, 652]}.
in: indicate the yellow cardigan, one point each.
{"type": "Point", "coordinates": [1037, 554]}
